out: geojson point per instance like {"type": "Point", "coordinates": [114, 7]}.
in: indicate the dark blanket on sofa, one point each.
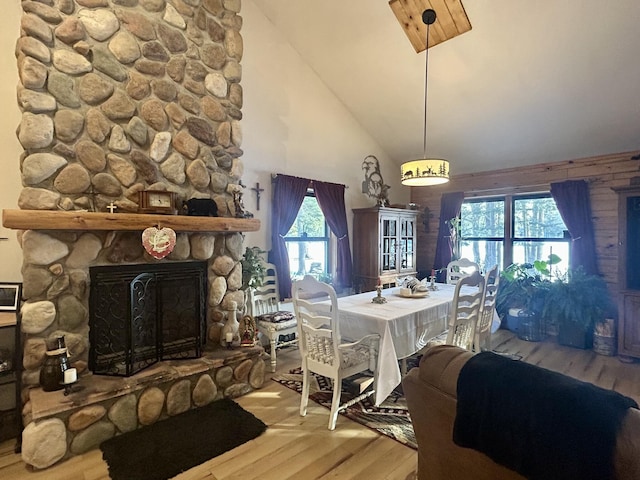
{"type": "Point", "coordinates": [539, 423]}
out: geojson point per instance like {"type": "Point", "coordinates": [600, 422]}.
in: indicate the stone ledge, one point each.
{"type": "Point", "coordinates": [100, 388]}
{"type": "Point", "coordinates": [108, 406]}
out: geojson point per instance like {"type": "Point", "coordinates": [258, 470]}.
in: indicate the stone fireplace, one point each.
{"type": "Point", "coordinates": [117, 97]}
{"type": "Point", "coordinates": [143, 314]}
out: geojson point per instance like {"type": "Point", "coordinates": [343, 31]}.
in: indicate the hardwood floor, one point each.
{"type": "Point", "coordinates": [303, 448]}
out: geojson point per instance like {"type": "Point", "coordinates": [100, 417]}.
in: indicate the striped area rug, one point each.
{"type": "Point", "coordinates": [391, 418]}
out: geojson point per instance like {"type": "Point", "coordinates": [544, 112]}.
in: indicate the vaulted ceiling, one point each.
{"type": "Point", "coordinates": [531, 82]}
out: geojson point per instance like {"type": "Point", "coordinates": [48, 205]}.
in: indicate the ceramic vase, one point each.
{"type": "Point", "coordinates": [229, 334]}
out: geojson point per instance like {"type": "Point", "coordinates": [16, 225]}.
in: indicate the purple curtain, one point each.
{"type": "Point", "coordinates": [288, 194]}
{"type": "Point", "coordinates": [574, 205]}
{"type": "Point", "coordinates": [330, 197]}
{"type": "Point", "coordinates": [450, 206]}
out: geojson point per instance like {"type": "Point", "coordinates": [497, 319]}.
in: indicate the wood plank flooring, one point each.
{"type": "Point", "coordinates": [295, 447]}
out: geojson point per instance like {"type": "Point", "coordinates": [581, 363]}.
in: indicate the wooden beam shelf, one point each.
{"type": "Point", "coordinates": [80, 220]}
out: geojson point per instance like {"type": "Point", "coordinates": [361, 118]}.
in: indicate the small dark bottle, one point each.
{"type": "Point", "coordinates": [56, 361]}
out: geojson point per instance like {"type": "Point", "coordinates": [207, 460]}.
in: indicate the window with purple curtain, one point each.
{"type": "Point", "coordinates": [288, 194]}
{"type": "Point", "coordinates": [330, 197]}
{"type": "Point", "coordinates": [450, 206]}
{"type": "Point", "coordinates": [574, 205]}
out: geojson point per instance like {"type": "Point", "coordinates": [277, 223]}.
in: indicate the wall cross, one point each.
{"type": "Point", "coordinates": [258, 191]}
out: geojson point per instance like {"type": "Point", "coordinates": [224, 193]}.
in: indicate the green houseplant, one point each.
{"type": "Point", "coordinates": [523, 286]}
{"type": "Point", "coordinates": [253, 270]}
{"type": "Point", "coordinates": [576, 303]}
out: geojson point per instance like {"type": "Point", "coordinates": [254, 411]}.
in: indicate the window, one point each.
{"type": "Point", "coordinates": [538, 231]}
{"type": "Point", "coordinates": [308, 241]}
{"type": "Point", "coordinates": [482, 232]}
{"type": "Point", "coordinates": [513, 229]}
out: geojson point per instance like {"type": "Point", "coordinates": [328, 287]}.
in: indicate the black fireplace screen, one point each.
{"type": "Point", "coordinates": [141, 314]}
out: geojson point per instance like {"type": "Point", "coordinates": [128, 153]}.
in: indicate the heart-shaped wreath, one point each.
{"type": "Point", "coordinates": [158, 242]}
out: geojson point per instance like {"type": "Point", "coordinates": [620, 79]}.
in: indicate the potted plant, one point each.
{"type": "Point", "coordinates": [521, 295]}
{"type": "Point", "coordinates": [253, 270]}
{"type": "Point", "coordinates": [576, 304]}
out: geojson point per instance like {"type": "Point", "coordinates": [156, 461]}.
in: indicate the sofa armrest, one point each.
{"type": "Point", "coordinates": [444, 364]}
{"type": "Point", "coordinates": [431, 398]}
{"type": "Point", "coordinates": [431, 393]}
{"type": "Point", "coordinates": [627, 457]}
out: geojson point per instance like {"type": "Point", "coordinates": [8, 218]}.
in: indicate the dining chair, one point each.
{"type": "Point", "coordinates": [279, 326]}
{"type": "Point", "coordinates": [482, 339]}
{"type": "Point", "coordinates": [456, 269]}
{"type": "Point", "coordinates": [465, 311]}
{"type": "Point", "coordinates": [322, 348]}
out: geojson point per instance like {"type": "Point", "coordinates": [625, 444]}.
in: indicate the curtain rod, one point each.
{"type": "Point", "coordinates": [275, 175]}
{"type": "Point", "coordinates": [534, 188]}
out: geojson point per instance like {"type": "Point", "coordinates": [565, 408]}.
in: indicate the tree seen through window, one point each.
{"type": "Point", "coordinates": [512, 229]}
{"type": "Point", "coordinates": [308, 241]}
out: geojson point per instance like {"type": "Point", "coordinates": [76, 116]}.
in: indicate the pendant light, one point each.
{"type": "Point", "coordinates": [425, 171]}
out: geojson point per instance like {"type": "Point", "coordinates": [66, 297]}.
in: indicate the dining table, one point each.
{"type": "Point", "coordinates": [405, 325]}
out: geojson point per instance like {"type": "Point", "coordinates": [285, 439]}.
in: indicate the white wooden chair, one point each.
{"type": "Point", "coordinates": [482, 339]}
{"type": "Point", "coordinates": [279, 326]}
{"type": "Point", "coordinates": [465, 311]}
{"type": "Point", "coordinates": [322, 348]}
{"type": "Point", "coordinates": [456, 269]}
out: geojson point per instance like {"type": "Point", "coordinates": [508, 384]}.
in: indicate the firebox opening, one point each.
{"type": "Point", "coordinates": [142, 314]}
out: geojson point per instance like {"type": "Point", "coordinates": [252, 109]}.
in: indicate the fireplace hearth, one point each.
{"type": "Point", "coordinates": [146, 313]}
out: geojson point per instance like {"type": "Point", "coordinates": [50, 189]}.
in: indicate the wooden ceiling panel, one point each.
{"type": "Point", "coordinates": [451, 20]}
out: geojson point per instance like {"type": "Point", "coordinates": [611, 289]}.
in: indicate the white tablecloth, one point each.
{"type": "Point", "coordinates": [404, 326]}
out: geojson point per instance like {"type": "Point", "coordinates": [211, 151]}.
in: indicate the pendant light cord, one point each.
{"type": "Point", "coordinates": [426, 78]}
{"type": "Point", "coordinates": [428, 17]}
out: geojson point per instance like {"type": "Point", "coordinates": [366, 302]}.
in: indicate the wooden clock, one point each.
{"type": "Point", "coordinates": [157, 201]}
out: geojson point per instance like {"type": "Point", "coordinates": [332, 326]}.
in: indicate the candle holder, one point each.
{"type": "Point", "coordinates": [71, 388]}
{"type": "Point", "coordinates": [433, 285]}
{"type": "Point", "coordinates": [69, 379]}
{"type": "Point", "coordinates": [379, 298]}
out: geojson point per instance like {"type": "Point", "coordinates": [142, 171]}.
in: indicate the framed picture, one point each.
{"type": "Point", "coordinates": [9, 293]}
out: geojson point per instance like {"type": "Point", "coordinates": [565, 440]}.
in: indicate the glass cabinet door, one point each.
{"type": "Point", "coordinates": [407, 244]}
{"type": "Point", "coordinates": [388, 247]}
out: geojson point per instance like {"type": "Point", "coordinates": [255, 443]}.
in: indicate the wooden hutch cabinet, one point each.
{"type": "Point", "coordinates": [384, 245]}
{"type": "Point", "coordinates": [629, 270]}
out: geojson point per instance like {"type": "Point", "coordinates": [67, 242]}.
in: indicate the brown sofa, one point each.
{"type": "Point", "coordinates": [430, 391]}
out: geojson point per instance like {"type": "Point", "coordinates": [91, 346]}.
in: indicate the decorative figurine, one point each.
{"type": "Point", "coordinates": [249, 332]}
{"type": "Point", "coordinates": [432, 278]}
{"type": "Point", "coordinates": [238, 204]}
{"type": "Point", "coordinates": [379, 298]}
{"type": "Point", "coordinates": [200, 207]}
{"type": "Point", "coordinates": [373, 184]}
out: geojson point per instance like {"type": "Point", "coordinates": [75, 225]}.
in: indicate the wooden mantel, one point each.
{"type": "Point", "coordinates": [80, 220]}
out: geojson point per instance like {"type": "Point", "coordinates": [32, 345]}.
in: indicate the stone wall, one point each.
{"type": "Point", "coordinates": [120, 96]}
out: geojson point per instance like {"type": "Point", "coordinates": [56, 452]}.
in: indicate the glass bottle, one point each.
{"type": "Point", "coordinates": [56, 361]}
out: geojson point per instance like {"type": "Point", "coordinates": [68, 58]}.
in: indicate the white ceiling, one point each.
{"type": "Point", "coordinates": [532, 82]}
